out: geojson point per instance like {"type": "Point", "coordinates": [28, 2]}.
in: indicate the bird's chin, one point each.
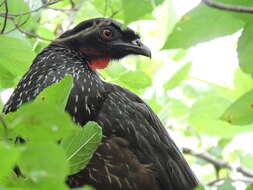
{"type": "Point", "coordinates": [99, 63]}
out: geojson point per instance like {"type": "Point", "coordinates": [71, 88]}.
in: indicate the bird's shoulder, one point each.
{"type": "Point", "coordinates": [149, 139]}
{"type": "Point", "coordinates": [133, 102]}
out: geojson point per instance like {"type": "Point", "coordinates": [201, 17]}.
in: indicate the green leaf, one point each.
{"type": "Point", "coordinates": [37, 183]}
{"type": "Point", "coordinates": [249, 187]}
{"type": "Point", "coordinates": [227, 185]}
{"type": "Point", "coordinates": [239, 79]}
{"type": "Point", "coordinates": [243, 16]}
{"type": "Point", "coordinates": [178, 77]}
{"type": "Point", "coordinates": [241, 111]}
{"type": "Point", "coordinates": [8, 159]}
{"type": "Point", "coordinates": [144, 7]}
{"type": "Point", "coordinates": [245, 48]}
{"type": "Point", "coordinates": [210, 106]}
{"type": "Point", "coordinates": [80, 146]}
{"type": "Point", "coordinates": [45, 118]}
{"type": "Point", "coordinates": [114, 70]}
{"type": "Point", "coordinates": [109, 8]}
{"type": "Point", "coordinates": [175, 108]}
{"type": "Point", "coordinates": [199, 188]}
{"type": "Point", "coordinates": [158, 2]}
{"type": "Point", "coordinates": [40, 161]}
{"type": "Point", "coordinates": [15, 55]}
{"type": "Point", "coordinates": [246, 161]}
{"type": "Point", "coordinates": [87, 11]}
{"type": "Point", "coordinates": [15, 7]}
{"type": "Point", "coordinates": [215, 127]}
{"type": "Point", "coordinates": [6, 78]}
{"type": "Point", "coordinates": [56, 94]}
{"type": "Point", "coordinates": [135, 79]}
{"type": "Point", "coordinates": [202, 24]}
{"type": "Point", "coordinates": [205, 116]}
{"type": "Point", "coordinates": [180, 54]}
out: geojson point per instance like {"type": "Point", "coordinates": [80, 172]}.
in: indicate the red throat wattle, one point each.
{"type": "Point", "coordinates": [99, 63]}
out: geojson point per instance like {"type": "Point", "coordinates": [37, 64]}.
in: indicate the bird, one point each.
{"type": "Point", "coordinates": [136, 151]}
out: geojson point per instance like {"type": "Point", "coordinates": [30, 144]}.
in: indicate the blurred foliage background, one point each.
{"type": "Point", "coordinates": [198, 82]}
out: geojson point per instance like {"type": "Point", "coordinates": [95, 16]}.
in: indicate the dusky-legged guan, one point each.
{"type": "Point", "coordinates": [136, 152]}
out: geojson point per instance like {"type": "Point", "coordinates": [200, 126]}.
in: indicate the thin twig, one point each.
{"type": "Point", "coordinates": [114, 13]}
{"type": "Point", "coordinates": [20, 25]}
{"type": "Point", "coordinates": [2, 3]}
{"type": "Point", "coordinates": [82, 33]}
{"type": "Point", "coordinates": [34, 10]}
{"type": "Point", "coordinates": [61, 9]}
{"type": "Point", "coordinates": [216, 181]}
{"type": "Point", "coordinates": [223, 6]}
{"type": "Point", "coordinates": [5, 16]}
{"type": "Point", "coordinates": [72, 3]}
{"type": "Point", "coordinates": [217, 163]}
{"type": "Point", "coordinates": [26, 32]}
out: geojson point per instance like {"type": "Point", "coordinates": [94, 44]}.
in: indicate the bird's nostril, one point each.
{"type": "Point", "coordinates": [136, 42]}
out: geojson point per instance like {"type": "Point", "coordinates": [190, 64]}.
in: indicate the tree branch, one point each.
{"type": "Point", "coordinates": [216, 181]}
{"type": "Point", "coordinates": [217, 163]}
{"type": "Point", "coordinates": [223, 6]}
{"type": "Point", "coordinates": [32, 11]}
{"type": "Point", "coordinates": [26, 32]}
{"type": "Point", "coordinates": [5, 16]}
{"type": "Point", "coordinates": [82, 33]}
{"type": "Point", "coordinates": [2, 3]}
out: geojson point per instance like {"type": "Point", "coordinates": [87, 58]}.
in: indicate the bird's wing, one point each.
{"type": "Point", "coordinates": [150, 140]}
{"type": "Point", "coordinates": [49, 67]}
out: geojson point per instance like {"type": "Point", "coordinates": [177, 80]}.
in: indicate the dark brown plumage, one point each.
{"type": "Point", "coordinates": [137, 152]}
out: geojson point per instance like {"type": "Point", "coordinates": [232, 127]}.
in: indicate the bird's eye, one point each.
{"type": "Point", "coordinates": [106, 33]}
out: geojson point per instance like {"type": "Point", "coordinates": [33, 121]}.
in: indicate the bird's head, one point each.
{"type": "Point", "coordinates": [102, 40]}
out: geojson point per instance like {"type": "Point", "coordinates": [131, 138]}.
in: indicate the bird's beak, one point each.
{"type": "Point", "coordinates": [135, 47]}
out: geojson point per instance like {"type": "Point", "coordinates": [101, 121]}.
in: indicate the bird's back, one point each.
{"type": "Point", "coordinates": [123, 115]}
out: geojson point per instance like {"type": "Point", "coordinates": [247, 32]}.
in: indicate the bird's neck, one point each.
{"type": "Point", "coordinates": [99, 63]}
{"type": "Point", "coordinates": [86, 96]}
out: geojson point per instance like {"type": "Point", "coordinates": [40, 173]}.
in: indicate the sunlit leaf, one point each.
{"type": "Point", "coordinates": [241, 111]}
{"type": "Point", "coordinates": [227, 185]}
{"type": "Point", "coordinates": [15, 55]}
{"type": "Point", "coordinates": [239, 79]}
{"type": "Point", "coordinates": [210, 106]}
{"type": "Point", "coordinates": [243, 16]}
{"type": "Point", "coordinates": [178, 77]}
{"type": "Point", "coordinates": [245, 48]}
{"type": "Point", "coordinates": [136, 79]}
{"type": "Point", "coordinates": [144, 7]}
{"type": "Point", "coordinates": [215, 127]}
{"type": "Point", "coordinates": [194, 27]}
{"type": "Point", "coordinates": [246, 160]}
